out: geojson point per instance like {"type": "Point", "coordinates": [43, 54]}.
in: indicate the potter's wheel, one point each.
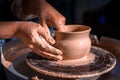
{"type": "Point", "coordinates": [14, 58]}
{"type": "Point", "coordinates": [103, 62]}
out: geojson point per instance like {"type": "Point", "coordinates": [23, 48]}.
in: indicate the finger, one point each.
{"type": "Point", "coordinates": [43, 23]}
{"type": "Point", "coordinates": [48, 48]}
{"type": "Point", "coordinates": [47, 55]}
{"type": "Point", "coordinates": [40, 43]}
{"type": "Point", "coordinates": [60, 24]}
{"type": "Point", "coordinates": [42, 31]}
{"type": "Point", "coordinates": [49, 38]}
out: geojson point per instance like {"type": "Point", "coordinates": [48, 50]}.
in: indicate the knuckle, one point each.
{"type": "Point", "coordinates": [63, 19]}
{"type": "Point", "coordinates": [30, 46]}
{"type": "Point", "coordinates": [33, 40]}
{"type": "Point", "coordinates": [38, 26]}
{"type": "Point", "coordinates": [45, 47]}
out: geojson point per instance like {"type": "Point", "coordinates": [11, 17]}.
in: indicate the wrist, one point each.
{"type": "Point", "coordinates": [19, 27]}
{"type": "Point", "coordinates": [8, 29]}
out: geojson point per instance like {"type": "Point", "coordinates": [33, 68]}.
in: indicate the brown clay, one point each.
{"type": "Point", "coordinates": [103, 62]}
{"type": "Point", "coordinates": [74, 41]}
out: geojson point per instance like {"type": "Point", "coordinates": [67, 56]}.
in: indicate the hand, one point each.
{"type": "Point", "coordinates": [33, 35]}
{"type": "Point", "coordinates": [37, 38]}
{"type": "Point", "coordinates": [47, 15]}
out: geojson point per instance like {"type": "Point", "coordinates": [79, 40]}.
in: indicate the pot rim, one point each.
{"type": "Point", "coordinates": [87, 29]}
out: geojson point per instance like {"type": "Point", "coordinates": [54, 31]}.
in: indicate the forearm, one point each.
{"type": "Point", "coordinates": [8, 29]}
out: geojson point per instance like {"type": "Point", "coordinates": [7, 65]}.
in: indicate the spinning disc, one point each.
{"type": "Point", "coordinates": [103, 62]}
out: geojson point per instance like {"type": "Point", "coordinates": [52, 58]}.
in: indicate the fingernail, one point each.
{"type": "Point", "coordinates": [60, 57]}
{"type": "Point", "coordinates": [51, 40]}
{"type": "Point", "coordinates": [62, 28]}
{"type": "Point", "coordinates": [58, 52]}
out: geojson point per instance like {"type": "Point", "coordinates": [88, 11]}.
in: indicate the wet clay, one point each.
{"type": "Point", "coordinates": [103, 62]}
{"type": "Point", "coordinates": [80, 59]}
{"type": "Point", "coordinates": [74, 42]}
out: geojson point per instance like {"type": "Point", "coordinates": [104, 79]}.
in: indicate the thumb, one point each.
{"type": "Point", "coordinates": [60, 25]}
{"type": "Point", "coordinates": [44, 31]}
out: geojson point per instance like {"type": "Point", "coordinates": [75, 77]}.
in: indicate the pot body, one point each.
{"type": "Point", "coordinates": [74, 43]}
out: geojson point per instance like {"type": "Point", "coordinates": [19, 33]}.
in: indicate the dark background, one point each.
{"type": "Point", "coordinates": [102, 17]}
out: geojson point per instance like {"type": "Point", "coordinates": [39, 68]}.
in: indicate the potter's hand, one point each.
{"type": "Point", "coordinates": [47, 15]}
{"type": "Point", "coordinates": [33, 35]}
{"type": "Point", "coordinates": [50, 17]}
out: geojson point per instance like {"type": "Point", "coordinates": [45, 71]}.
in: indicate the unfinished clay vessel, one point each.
{"type": "Point", "coordinates": [74, 42]}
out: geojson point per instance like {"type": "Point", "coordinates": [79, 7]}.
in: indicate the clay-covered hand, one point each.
{"type": "Point", "coordinates": [48, 16]}
{"type": "Point", "coordinates": [33, 35]}
{"type": "Point", "coordinates": [39, 40]}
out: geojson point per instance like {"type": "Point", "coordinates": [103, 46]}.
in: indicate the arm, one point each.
{"type": "Point", "coordinates": [33, 35]}
{"type": "Point", "coordinates": [48, 16]}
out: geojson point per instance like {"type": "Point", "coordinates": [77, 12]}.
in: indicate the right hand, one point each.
{"type": "Point", "coordinates": [38, 39]}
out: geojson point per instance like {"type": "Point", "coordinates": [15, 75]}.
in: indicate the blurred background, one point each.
{"type": "Point", "coordinates": [101, 15]}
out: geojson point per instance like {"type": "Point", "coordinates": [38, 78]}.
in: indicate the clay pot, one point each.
{"type": "Point", "coordinates": [74, 42]}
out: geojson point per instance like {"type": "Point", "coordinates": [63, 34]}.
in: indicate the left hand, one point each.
{"type": "Point", "coordinates": [48, 16]}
